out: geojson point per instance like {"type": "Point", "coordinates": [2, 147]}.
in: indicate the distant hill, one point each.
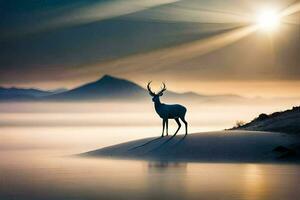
{"type": "Point", "coordinates": [286, 121]}
{"type": "Point", "coordinates": [25, 94]}
{"type": "Point", "coordinates": [21, 93]}
{"type": "Point", "coordinates": [58, 90]}
{"type": "Point", "coordinates": [107, 88]}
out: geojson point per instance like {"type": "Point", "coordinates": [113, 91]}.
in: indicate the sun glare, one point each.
{"type": "Point", "coordinates": [268, 20]}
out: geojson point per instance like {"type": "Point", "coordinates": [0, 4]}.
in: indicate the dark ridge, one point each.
{"type": "Point", "coordinates": [287, 121]}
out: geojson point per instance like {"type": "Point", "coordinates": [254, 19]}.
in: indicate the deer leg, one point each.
{"type": "Point", "coordinates": [162, 134]}
{"type": "Point", "coordinates": [179, 125]}
{"type": "Point", "coordinates": [167, 126]}
{"type": "Point", "coordinates": [186, 125]}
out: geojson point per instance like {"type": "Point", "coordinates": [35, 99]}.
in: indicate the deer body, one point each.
{"type": "Point", "coordinates": [167, 112]}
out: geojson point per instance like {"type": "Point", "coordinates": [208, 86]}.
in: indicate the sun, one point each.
{"type": "Point", "coordinates": [268, 20]}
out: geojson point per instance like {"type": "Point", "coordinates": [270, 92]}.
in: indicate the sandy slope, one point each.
{"type": "Point", "coordinates": [286, 122]}
{"type": "Point", "coordinates": [219, 146]}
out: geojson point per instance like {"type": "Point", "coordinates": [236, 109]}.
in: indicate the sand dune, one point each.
{"type": "Point", "coordinates": [219, 146]}
{"type": "Point", "coordinates": [287, 121]}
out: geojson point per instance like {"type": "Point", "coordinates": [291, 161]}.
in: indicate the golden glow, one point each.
{"type": "Point", "coordinates": [254, 181]}
{"type": "Point", "coordinates": [268, 20]}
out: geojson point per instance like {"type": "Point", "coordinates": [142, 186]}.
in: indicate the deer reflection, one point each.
{"type": "Point", "coordinates": [166, 165]}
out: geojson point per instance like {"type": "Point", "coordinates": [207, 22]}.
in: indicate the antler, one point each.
{"type": "Point", "coordinates": [149, 89]}
{"type": "Point", "coordinates": [162, 90]}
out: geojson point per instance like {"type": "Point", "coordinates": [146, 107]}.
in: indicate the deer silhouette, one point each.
{"type": "Point", "coordinates": [167, 112]}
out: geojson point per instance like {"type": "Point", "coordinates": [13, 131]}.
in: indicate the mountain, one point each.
{"type": "Point", "coordinates": [113, 88]}
{"type": "Point", "coordinates": [108, 87]}
{"type": "Point", "coordinates": [286, 121]}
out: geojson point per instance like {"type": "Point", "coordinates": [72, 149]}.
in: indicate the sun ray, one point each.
{"type": "Point", "coordinates": [168, 57]}
{"type": "Point", "coordinates": [290, 10]}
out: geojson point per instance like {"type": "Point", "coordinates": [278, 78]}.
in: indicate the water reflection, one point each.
{"type": "Point", "coordinates": [254, 182]}
{"type": "Point", "coordinates": [167, 180]}
{"type": "Point", "coordinates": [161, 166]}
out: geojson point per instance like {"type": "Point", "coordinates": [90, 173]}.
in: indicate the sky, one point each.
{"type": "Point", "coordinates": [208, 46]}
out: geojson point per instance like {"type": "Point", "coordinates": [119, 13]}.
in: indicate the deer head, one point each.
{"type": "Point", "coordinates": [156, 95]}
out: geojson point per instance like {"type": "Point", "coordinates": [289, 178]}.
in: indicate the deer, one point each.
{"type": "Point", "coordinates": [167, 112]}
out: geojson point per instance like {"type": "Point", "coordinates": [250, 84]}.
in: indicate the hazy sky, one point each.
{"type": "Point", "coordinates": [208, 46]}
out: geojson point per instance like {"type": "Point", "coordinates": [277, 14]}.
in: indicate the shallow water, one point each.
{"type": "Point", "coordinates": [35, 164]}
{"type": "Point", "coordinates": [42, 174]}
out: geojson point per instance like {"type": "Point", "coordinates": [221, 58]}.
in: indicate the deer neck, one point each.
{"type": "Point", "coordinates": [157, 105]}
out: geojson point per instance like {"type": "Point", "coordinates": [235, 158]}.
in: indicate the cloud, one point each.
{"type": "Point", "coordinates": [78, 13]}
